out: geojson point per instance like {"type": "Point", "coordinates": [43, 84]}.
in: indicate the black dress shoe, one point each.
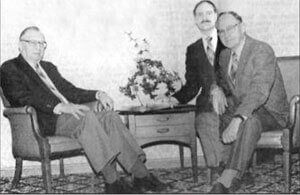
{"type": "Point", "coordinates": [119, 187]}
{"type": "Point", "coordinates": [235, 185]}
{"type": "Point", "coordinates": [248, 179]}
{"type": "Point", "coordinates": [147, 183]}
{"type": "Point", "coordinates": [219, 188]}
{"type": "Point", "coordinates": [218, 170]}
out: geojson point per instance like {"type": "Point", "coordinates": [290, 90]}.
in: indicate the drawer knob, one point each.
{"type": "Point", "coordinates": [163, 119]}
{"type": "Point", "coordinates": [163, 130]}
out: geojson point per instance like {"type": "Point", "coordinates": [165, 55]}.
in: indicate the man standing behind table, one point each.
{"type": "Point", "coordinates": [63, 109]}
{"type": "Point", "coordinates": [255, 94]}
{"type": "Point", "coordinates": [201, 59]}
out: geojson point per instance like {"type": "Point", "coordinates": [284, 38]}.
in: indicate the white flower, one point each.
{"type": "Point", "coordinates": [139, 79]}
{"type": "Point", "coordinates": [155, 70]}
{"type": "Point", "coordinates": [134, 89]}
{"type": "Point", "coordinates": [161, 88]}
{"type": "Point", "coordinates": [150, 81]}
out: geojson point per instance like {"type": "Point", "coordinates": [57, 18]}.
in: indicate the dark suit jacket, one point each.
{"type": "Point", "coordinates": [258, 82]}
{"type": "Point", "coordinates": [22, 86]}
{"type": "Point", "coordinates": [199, 73]}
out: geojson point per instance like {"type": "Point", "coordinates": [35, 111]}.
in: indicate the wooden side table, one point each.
{"type": "Point", "coordinates": [172, 125]}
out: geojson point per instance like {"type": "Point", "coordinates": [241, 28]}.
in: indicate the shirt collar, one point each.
{"type": "Point", "coordinates": [32, 65]}
{"type": "Point", "coordinates": [214, 41]}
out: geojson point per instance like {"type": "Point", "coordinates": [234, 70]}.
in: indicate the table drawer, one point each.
{"type": "Point", "coordinates": [163, 131]}
{"type": "Point", "coordinates": [163, 119]}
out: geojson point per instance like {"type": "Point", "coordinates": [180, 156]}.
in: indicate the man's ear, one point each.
{"type": "Point", "coordinates": [243, 27]}
{"type": "Point", "coordinates": [20, 46]}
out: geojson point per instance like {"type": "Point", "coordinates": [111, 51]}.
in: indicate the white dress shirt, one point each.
{"type": "Point", "coordinates": [214, 41]}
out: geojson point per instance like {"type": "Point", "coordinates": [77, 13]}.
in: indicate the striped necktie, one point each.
{"type": "Point", "coordinates": [209, 51]}
{"type": "Point", "coordinates": [234, 66]}
{"type": "Point", "coordinates": [49, 84]}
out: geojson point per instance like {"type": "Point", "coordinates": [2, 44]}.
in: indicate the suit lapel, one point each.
{"type": "Point", "coordinates": [245, 54]}
{"type": "Point", "coordinates": [202, 58]}
{"type": "Point", "coordinates": [220, 47]}
{"type": "Point", "coordinates": [224, 63]}
{"type": "Point", "coordinates": [200, 51]}
{"type": "Point", "coordinates": [29, 71]}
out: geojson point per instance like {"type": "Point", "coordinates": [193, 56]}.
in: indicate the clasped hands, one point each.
{"type": "Point", "coordinates": [219, 103]}
{"type": "Point", "coordinates": [103, 103]}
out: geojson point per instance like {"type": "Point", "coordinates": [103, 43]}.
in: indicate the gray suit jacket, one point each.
{"type": "Point", "coordinates": [258, 81]}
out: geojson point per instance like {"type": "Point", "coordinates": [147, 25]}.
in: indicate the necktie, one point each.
{"type": "Point", "coordinates": [49, 84]}
{"type": "Point", "coordinates": [39, 71]}
{"type": "Point", "coordinates": [209, 51]}
{"type": "Point", "coordinates": [234, 66]}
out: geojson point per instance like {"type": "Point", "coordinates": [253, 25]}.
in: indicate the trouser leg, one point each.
{"type": "Point", "coordinates": [207, 126]}
{"type": "Point", "coordinates": [242, 149]}
{"type": "Point", "coordinates": [131, 153]}
{"type": "Point", "coordinates": [103, 137]}
{"type": "Point", "coordinates": [110, 172]}
{"type": "Point", "coordinates": [248, 135]}
{"type": "Point", "coordinates": [91, 135]}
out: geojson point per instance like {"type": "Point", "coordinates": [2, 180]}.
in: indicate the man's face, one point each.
{"type": "Point", "coordinates": [205, 17]}
{"type": "Point", "coordinates": [32, 46]}
{"type": "Point", "coordinates": [230, 30]}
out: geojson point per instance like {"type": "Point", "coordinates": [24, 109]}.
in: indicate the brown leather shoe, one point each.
{"type": "Point", "coordinates": [219, 188]}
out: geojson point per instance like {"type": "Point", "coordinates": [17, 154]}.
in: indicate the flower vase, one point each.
{"type": "Point", "coordinates": [144, 101]}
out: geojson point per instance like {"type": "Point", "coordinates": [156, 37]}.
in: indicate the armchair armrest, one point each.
{"type": "Point", "coordinates": [26, 110]}
{"type": "Point", "coordinates": [292, 119]}
{"type": "Point", "coordinates": [291, 131]}
{"type": "Point", "coordinates": [19, 110]}
{"type": "Point", "coordinates": [26, 136]}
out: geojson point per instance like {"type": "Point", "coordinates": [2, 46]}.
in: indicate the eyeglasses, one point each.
{"type": "Point", "coordinates": [36, 43]}
{"type": "Point", "coordinates": [229, 29]}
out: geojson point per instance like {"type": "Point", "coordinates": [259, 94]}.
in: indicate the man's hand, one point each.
{"type": "Point", "coordinates": [105, 101]}
{"type": "Point", "coordinates": [96, 106]}
{"type": "Point", "coordinates": [76, 110]}
{"type": "Point", "coordinates": [230, 133]}
{"type": "Point", "coordinates": [219, 101]}
{"type": "Point", "coordinates": [171, 101]}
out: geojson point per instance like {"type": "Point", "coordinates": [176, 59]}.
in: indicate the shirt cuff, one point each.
{"type": "Point", "coordinates": [243, 118]}
{"type": "Point", "coordinates": [99, 94]}
{"type": "Point", "coordinates": [57, 109]}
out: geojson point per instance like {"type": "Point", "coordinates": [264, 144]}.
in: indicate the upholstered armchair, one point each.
{"type": "Point", "coordinates": [29, 144]}
{"type": "Point", "coordinates": [288, 139]}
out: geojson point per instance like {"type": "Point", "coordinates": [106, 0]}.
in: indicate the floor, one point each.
{"type": "Point", "coordinates": [267, 179]}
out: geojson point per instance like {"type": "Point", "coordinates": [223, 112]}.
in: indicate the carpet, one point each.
{"type": "Point", "coordinates": [267, 179]}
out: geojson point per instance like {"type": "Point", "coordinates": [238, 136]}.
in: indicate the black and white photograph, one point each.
{"type": "Point", "coordinates": [149, 97]}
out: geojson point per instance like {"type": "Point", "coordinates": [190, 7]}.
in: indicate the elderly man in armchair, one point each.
{"type": "Point", "coordinates": [64, 109]}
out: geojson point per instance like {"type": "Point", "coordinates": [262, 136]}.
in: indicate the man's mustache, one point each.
{"type": "Point", "coordinates": [206, 21]}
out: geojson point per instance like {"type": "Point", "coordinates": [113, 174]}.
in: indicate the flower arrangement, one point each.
{"type": "Point", "coordinates": [150, 76]}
